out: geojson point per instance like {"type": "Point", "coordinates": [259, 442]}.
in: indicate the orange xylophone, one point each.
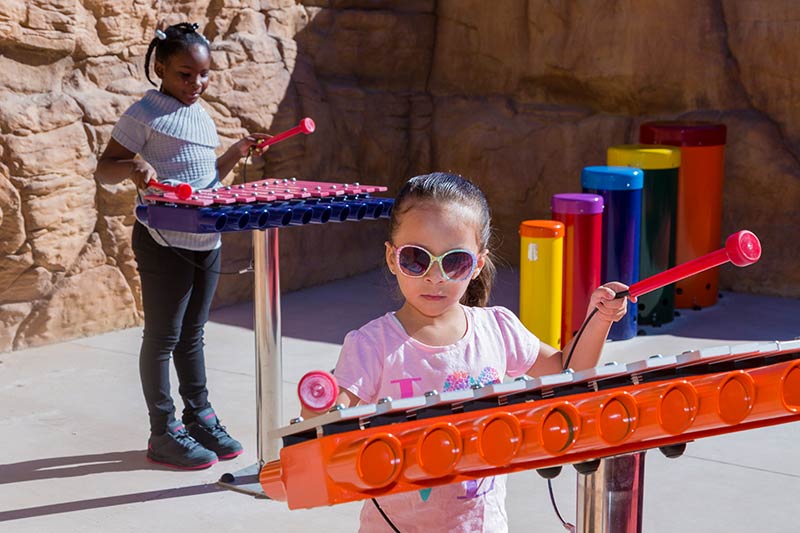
{"type": "Point", "coordinates": [440, 438]}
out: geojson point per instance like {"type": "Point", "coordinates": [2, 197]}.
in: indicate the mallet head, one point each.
{"type": "Point", "coordinates": [183, 191]}
{"type": "Point", "coordinates": [743, 248]}
{"type": "Point", "coordinates": [307, 125]}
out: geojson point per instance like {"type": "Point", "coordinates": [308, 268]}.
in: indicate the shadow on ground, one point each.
{"type": "Point", "coordinates": [85, 465]}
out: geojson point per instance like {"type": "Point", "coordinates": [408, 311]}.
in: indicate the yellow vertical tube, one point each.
{"type": "Point", "coordinates": [541, 261]}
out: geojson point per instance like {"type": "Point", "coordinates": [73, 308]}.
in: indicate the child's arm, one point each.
{"type": "Point", "coordinates": [590, 346]}
{"type": "Point", "coordinates": [118, 164]}
{"type": "Point", "coordinates": [239, 149]}
{"type": "Point", "coordinates": [346, 398]}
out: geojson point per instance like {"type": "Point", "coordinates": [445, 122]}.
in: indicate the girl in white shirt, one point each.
{"type": "Point", "coordinates": [175, 141]}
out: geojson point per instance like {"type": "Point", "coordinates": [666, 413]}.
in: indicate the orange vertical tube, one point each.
{"type": "Point", "coordinates": [699, 219]}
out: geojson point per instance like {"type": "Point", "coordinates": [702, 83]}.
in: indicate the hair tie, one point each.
{"type": "Point", "coordinates": [160, 35]}
{"type": "Point", "coordinates": [195, 26]}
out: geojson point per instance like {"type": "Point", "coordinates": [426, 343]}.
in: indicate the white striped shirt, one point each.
{"type": "Point", "coordinates": [179, 142]}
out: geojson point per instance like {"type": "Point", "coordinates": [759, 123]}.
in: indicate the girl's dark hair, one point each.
{"type": "Point", "coordinates": [442, 188]}
{"type": "Point", "coordinates": [176, 38]}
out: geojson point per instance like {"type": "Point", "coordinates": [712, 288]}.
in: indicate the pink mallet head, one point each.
{"type": "Point", "coordinates": [184, 191]}
{"type": "Point", "coordinates": [743, 248]}
{"type": "Point", "coordinates": [318, 390]}
{"type": "Point", "coordinates": [307, 125]}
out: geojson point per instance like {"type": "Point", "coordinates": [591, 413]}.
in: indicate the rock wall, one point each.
{"type": "Point", "coordinates": [517, 95]}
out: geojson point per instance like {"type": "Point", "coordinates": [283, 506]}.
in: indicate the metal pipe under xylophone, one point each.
{"type": "Point", "coordinates": [742, 249]}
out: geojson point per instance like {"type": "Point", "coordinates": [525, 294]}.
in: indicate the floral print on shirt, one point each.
{"type": "Point", "coordinates": [463, 380]}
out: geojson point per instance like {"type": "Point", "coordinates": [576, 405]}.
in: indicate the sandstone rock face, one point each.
{"type": "Point", "coordinates": [517, 98]}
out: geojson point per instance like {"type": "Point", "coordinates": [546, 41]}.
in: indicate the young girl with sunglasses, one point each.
{"type": "Point", "coordinates": [175, 140]}
{"type": "Point", "coordinates": [444, 339]}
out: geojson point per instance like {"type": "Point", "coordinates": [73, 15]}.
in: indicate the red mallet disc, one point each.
{"type": "Point", "coordinates": [307, 125]}
{"type": "Point", "coordinates": [743, 248]}
{"type": "Point", "coordinates": [318, 390]}
{"type": "Point", "coordinates": [184, 191]}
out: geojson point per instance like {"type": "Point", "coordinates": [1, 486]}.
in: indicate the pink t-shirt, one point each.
{"type": "Point", "coordinates": [381, 360]}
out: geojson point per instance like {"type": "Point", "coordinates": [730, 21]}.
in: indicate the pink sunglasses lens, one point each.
{"type": "Point", "coordinates": [413, 261]}
{"type": "Point", "coordinates": [458, 265]}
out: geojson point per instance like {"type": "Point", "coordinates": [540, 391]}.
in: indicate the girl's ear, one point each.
{"type": "Point", "coordinates": [159, 69]}
{"type": "Point", "coordinates": [480, 264]}
{"type": "Point", "coordinates": [390, 258]}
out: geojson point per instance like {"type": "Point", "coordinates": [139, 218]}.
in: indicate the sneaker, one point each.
{"type": "Point", "coordinates": [207, 430]}
{"type": "Point", "coordinates": [177, 449]}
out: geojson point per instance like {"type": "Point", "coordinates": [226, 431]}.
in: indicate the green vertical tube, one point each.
{"type": "Point", "coordinates": [660, 165]}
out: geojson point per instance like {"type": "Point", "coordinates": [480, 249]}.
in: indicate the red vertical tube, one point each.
{"type": "Point", "coordinates": [581, 215]}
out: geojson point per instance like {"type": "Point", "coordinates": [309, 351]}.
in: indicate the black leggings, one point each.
{"type": "Point", "coordinates": [176, 297]}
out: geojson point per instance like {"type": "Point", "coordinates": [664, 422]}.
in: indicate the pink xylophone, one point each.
{"type": "Point", "coordinates": [262, 204]}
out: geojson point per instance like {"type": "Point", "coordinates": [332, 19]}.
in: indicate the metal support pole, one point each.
{"type": "Point", "coordinates": [610, 499]}
{"type": "Point", "coordinates": [267, 325]}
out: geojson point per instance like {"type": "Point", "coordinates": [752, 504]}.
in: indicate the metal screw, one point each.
{"type": "Point", "coordinates": [430, 393]}
{"type": "Point", "coordinates": [384, 400]}
{"type": "Point", "coordinates": [476, 386]}
{"type": "Point", "coordinates": [655, 356]}
{"type": "Point", "coordinates": [337, 407]}
{"type": "Point", "coordinates": [304, 189]}
{"type": "Point", "coordinates": [293, 178]}
{"type": "Point", "coordinates": [318, 188]}
{"type": "Point", "coordinates": [356, 184]}
{"type": "Point", "coordinates": [296, 420]}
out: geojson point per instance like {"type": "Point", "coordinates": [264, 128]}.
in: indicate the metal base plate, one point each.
{"type": "Point", "coordinates": [244, 481]}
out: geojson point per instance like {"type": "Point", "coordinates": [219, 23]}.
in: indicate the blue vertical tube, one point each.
{"type": "Point", "coordinates": [621, 189]}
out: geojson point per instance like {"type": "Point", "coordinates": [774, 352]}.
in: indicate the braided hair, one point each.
{"type": "Point", "coordinates": [176, 38]}
{"type": "Point", "coordinates": [443, 188]}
